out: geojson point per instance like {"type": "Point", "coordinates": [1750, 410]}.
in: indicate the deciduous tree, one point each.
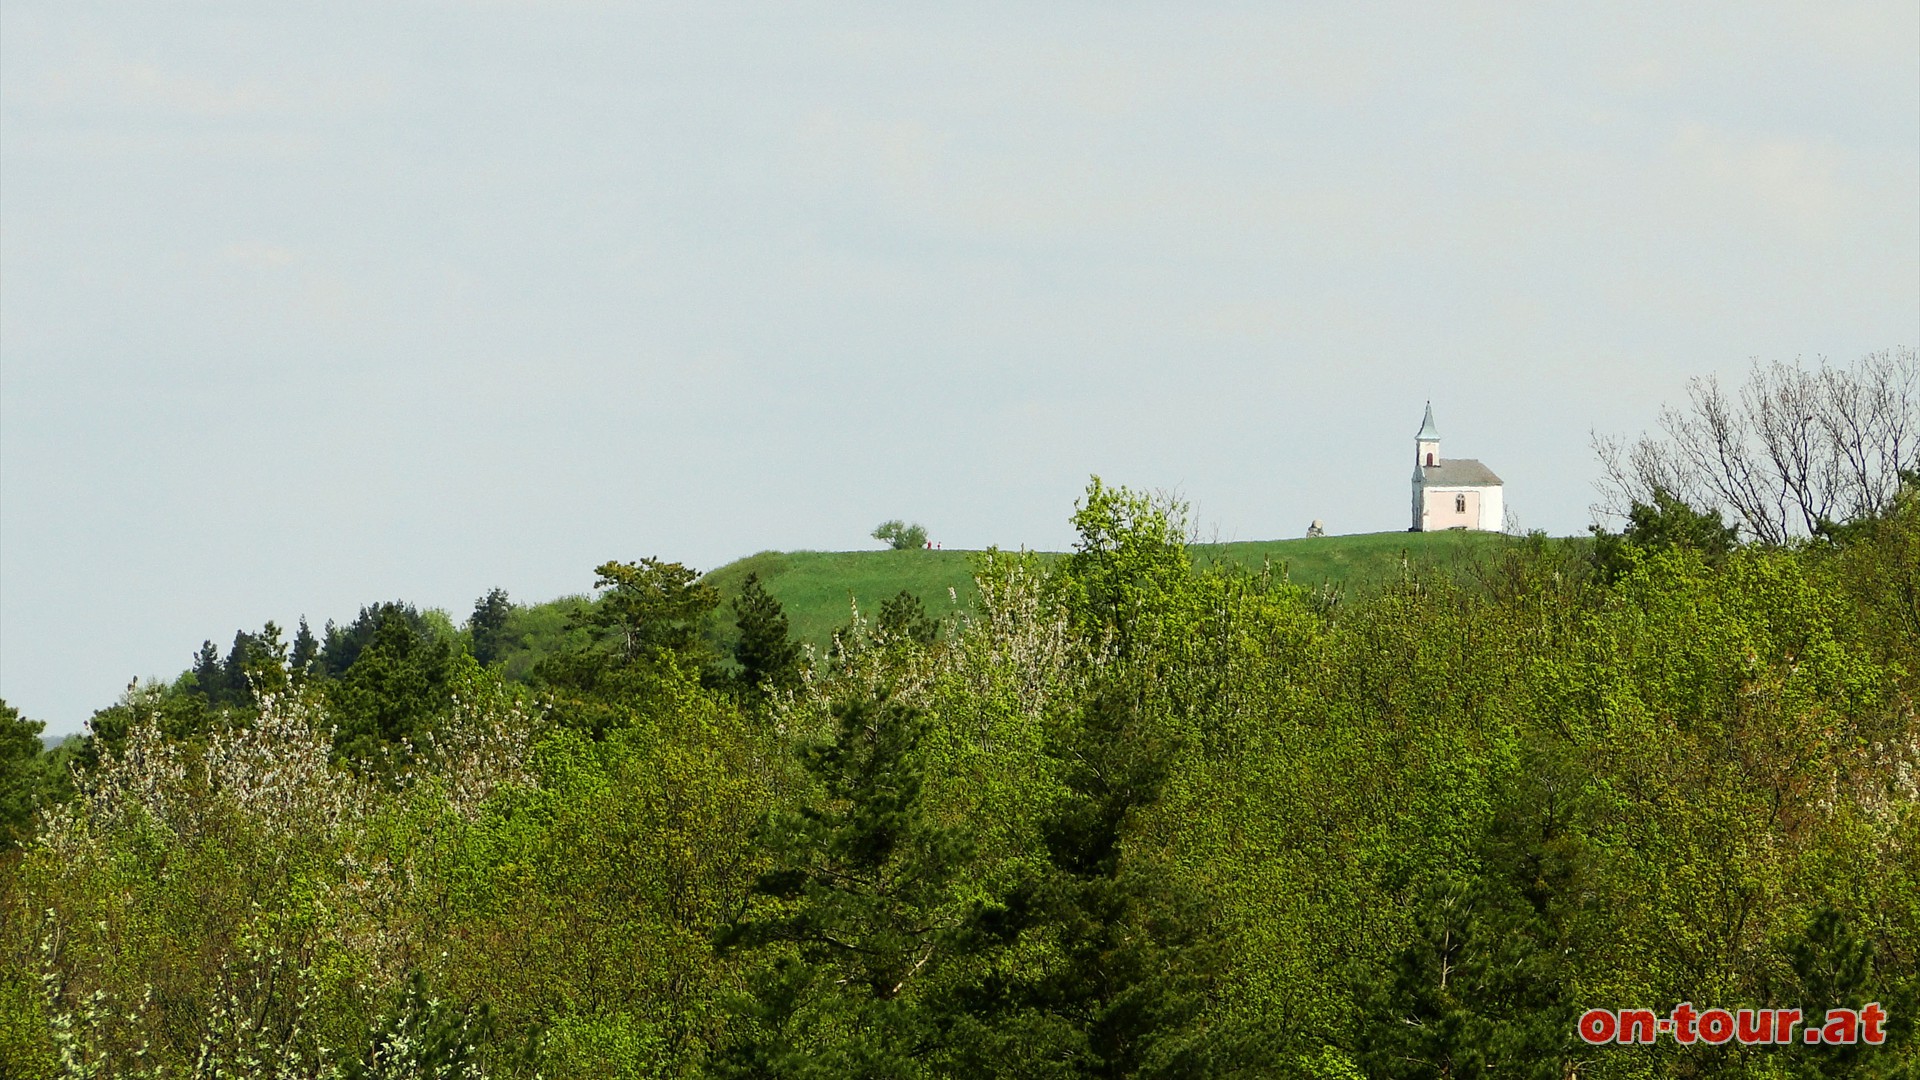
{"type": "Point", "coordinates": [1795, 452]}
{"type": "Point", "coordinates": [901, 536]}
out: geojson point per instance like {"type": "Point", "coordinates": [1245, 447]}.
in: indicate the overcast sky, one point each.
{"type": "Point", "coordinates": [304, 306]}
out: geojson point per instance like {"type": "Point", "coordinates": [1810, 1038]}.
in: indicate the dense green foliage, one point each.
{"type": "Point", "coordinates": [1666, 522]}
{"type": "Point", "coordinates": [818, 589]}
{"type": "Point", "coordinates": [764, 648]}
{"type": "Point", "coordinates": [1127, 812]}
{"type": "Point", "coordinates": [25, 776]}
{"type": "Point", "coordinates": [900, 536]}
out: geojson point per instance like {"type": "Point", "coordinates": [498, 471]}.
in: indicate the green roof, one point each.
{"type": "Point", "coordinates": [1427, 430]}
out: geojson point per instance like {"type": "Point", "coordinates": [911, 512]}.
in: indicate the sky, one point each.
{"type": "Point", "coordinates": [305, 306]}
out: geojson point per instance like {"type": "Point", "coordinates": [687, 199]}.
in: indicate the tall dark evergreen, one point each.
{"type": "Point", "coordinates": [1483, 987]}
{"type": "Point", "coordinates": [340, 645]}
{"type": "Point", "coordinates": [1117, 952]}
{"type": "Point", "coordinates": [488, 625]}
{"type": "Point", "coordinates": [208, 676]}
{"type": "Point", "coordinates": [903, 617]}
{"type": "Point", "coordinates": [306, 650]}
{"type": "Point", "coordinates": [1133, 954]}
{"type": "Point", "coordinates": [233, 670]}
{"type": "Point", "coordinates": [855, 917]}
{"type": "Point", "coordinates": [1480, 992]}
{"type": "Point", "coordinates": [766, 652]}
{"type": "Point", "coordinates": [257, 663]}
{"type": "Point", "coordinates": [21, 775]}
{"type": "Point", "coordinates": [395, 691]}
{"type": "Point", "coordinates": [1834, 966]}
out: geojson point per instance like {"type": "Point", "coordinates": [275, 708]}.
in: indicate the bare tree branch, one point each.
{"type": "Point", "coordinates": [1794, 453]}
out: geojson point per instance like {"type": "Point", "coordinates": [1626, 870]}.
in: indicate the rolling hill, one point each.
{"type": "Point", "coordinates": [819, 588]}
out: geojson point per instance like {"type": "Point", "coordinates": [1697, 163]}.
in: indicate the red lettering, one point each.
{"type": "Point", "coordinates": [1638, 1026]}
{"type": "Point", "coordinates": [1871, 1018]}
{"type": "Point", "coordinates": [1683, 1020]}
{"type": "Point", "coordinates": [1783, 1024]}
{"type": "Point", "coordinates": [1842, 1026]}
{"type": "Point", "coordinates": [1756, 1026]}
{"type": "Point", "coordinates": [1716, 1026]}
{"type": "Point", "coordinates": [1597, 1026]}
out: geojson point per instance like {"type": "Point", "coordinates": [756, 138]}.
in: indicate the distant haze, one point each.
{"type": "Point", "coordinates": [306, 306]}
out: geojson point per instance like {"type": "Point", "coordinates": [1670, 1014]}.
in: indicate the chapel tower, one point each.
{"type": "Point", "coordinates": [1456, 494]}
{"type": "Point", "coordinates": [1427, 444]}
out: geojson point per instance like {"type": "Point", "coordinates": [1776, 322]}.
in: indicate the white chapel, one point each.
{"type": "Point", "coordinates": [1452, 494]}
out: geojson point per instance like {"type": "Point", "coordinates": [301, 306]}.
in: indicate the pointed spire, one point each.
{"type": "Point", "coordinates": [1427, 430]}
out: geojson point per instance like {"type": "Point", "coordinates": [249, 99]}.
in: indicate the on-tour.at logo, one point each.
{"type": "Point", "coordinates": [1749, 1027]}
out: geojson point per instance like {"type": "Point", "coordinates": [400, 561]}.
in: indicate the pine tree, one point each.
{"type": "Point", "coordinates": [905, 618]}
{"type": "Point", "coordinates": [21, 775]}
{"type": "Point", "coordinates": [395, 691]}
{"type": "Point", "coordinates": [1135, 956]}
{"type": "Point", "coordinates": [306, 649]}
{"type": "Point", "coordinates": [233, 671]}
{"type": "Point", "coordinates": [207, 673]}
{"type": "Point", "coordinates": [340, 645]}
{"type": "Point", "coordinates": [768, 657]}
{"type": "Point", "coordinates": [488, 625]}
{"type": "Point", "coordinates": [1482, 989]}
{"type": "Point", "coordinates": [859, 894]}
{"type": "Point", "coordinates": [1837, 968]}
{"type": "Point", "coordinates": [1479, 992]}
{"type": "Point", "coordinates": [649, 608]}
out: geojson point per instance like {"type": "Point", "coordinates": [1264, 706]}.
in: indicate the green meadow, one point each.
{"type": "Point", "coordinates": [820, 589]}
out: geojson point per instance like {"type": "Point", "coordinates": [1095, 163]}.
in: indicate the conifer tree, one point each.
{"type": "Point", "coordinates": [768, 657]}
{"type": "Point", "coordinates": [395, 690]}
{"type": "Point", "coordinates": [488, 626]}
{"type": "Point", "coordinates": [858, 895]}
{"type": "Point", "coordinates": [1482, 989]}
{"type": "Point", "coordinates": [20, 774]}
{"type": "Point", "coordinates": [1478, 992]}
{"type": "Point", "coordinates": [905, 618]}
{"type": "Point", "coordinates": [207, 674]}
{"type": "Point", "coordinates": [1835, 967]}
{"type": "Point", "coordinates": [233, 671]}
{"type": "Point", "coordinates": [1135, 956]}
{"type": "Point", "coordinates": [306, 649]}
{"type": "Point", "coordinates": [649, 608]}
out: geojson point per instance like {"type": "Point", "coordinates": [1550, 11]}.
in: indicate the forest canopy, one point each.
{"type": "Point", "coordinates": [1126, 814]}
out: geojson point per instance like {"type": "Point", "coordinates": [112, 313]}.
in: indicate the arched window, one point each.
{"type": "Point", "coordinates": [1459, 504]}
{"type": "Point", "coordinates": [1429, 459]}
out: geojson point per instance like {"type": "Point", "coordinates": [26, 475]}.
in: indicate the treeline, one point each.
{"type": "Point", "coordinates": [385, 676]}
{"type": "Point", "coordinates": [1129, 817]}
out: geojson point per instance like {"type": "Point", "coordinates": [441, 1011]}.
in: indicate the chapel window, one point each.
{"type": "Point", "coordinates": [1459, 504]}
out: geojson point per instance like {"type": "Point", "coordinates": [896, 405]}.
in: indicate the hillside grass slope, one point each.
{"type": "Point", "coordinates": [820, 589]}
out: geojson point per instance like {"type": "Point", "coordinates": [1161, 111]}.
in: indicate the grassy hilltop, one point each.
{"type": "Point", "coordinates": [818, 588]}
